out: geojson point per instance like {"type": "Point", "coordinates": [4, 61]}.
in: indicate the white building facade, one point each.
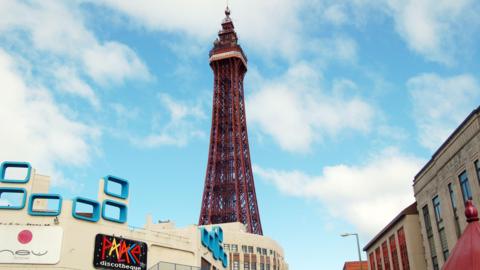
{"type": "Point", "coordinates": [40, 230]}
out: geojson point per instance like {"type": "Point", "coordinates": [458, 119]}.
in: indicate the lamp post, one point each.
{"type": "Point", "coordinates": [358, 247]}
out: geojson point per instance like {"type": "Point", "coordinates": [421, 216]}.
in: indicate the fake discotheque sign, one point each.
{"type": "Point", "coordinates": [119, 253]}
{"type": "Point", "coordinates": [30, 245]}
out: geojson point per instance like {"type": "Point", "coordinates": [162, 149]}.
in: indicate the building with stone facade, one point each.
{"type": "Point", "coordinates": [399, 245]}
{"type": "Point", "coordinates": [442, 187]}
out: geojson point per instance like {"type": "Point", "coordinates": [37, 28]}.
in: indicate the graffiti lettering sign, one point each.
{"type": "Point", "coordinates": [213, 241]}
{"type": "Point", "coordinates": [113, 252]}
{"type": "Point", "coordinates": [30, 245]}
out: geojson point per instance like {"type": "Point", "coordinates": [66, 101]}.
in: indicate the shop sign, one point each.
{"type": "Point", "coordinates": [30, 245]}
{"type": "Point", "coordinates": [213, 241]}
{"type": "Point", "coordinates": [113, 252]}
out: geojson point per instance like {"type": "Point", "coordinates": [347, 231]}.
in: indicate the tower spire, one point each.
{"type": "Point", "coordinates": [227, 11]}
{"type": "Point", "coordinates": [226, 45]}
{"type": "Point", "coordinates": [229, 192]}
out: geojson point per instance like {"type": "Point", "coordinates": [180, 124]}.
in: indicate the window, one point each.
{"type": "Point", "coordinates": [428, 223]}
{"type": "Point", "coordinates": [453, 200]}
{"type": "Point", "coordinates": [402, 243]}
{"type": "Point", "coordinates": [465, 186]}
{"type": "Point", "coordinates": [235, 265]}
{"type": "Point", "coordinates": [244, 249]}
{"type": "Point", "coordinates": [234, 248]}
{"type": "Point", "coordinates": [264, 251]}
{"type": "Point", "coordinates": [371, 259]}
{"type": "Point", "coordinates": [443, 242]}
{"type": "Point", "coordinates": [435, 263]}
{"type": "Point", "coordinates": [262, 266]}
{"type": "Point", "coordinates": [477, 167]}
{"type": "Point", "coordinates": [268, 266]}
{"type": "Point", "coordinates": [440, 226]}
{"type": "Point", "coordinates": [259, 250]}
{"type": "Point", "coordinates": [226, 247]}
{"type": "Point", "coordinates": [386, 259]}
{"type": "Point", "coordinates": [246, 266]}
{"type": "Point", "coordinates": [394, 253]}
{"type": "Point", "coordinates": [205, 265]}
{"type": "Point", "coordinates": [431, 242]}
{"type": "Point", "coordinates": [254, 266]}
{"type": "Point", "coordinates": [378, 258]}
{"type": "Point", "coordinates": [437, 209]}
{"type": "Point", "coordinates": [250, 249]}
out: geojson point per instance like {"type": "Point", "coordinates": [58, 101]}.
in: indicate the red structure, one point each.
{"type": "Point", "coordinates": [357, 265]}
{"type": "Point", "coordinates": [466, 253]}
{"type": "Point", "coordinates": [229, 192]}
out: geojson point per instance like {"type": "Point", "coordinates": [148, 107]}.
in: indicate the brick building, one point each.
{"type": "Point", "coordinates": [399, 245]}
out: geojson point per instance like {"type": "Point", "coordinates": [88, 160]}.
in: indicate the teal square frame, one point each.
{"type": "Point", "coordinates": [15, 164]}
{"type": "Point", "coordinates": [36, 196]}
{"type": "Point", "coordinates": [14, 190]}
{"type": "Point", "coordinates": [95, 213]}
{"type": "Point", "coordinates": [122, 182]}
{"type": "Point", "coordinates": [123, 211]}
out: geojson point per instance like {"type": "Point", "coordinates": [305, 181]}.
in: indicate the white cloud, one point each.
{"type": "Point", "coordinates": [51, 25]}
{"type": "Point", "coordinates": [392, 132]}
{"type": "Point", "coordinates": [335, 14]}
{"type": "Point", "coordinates": [180, 111]}
{"type": "Point", "coordinates": [67, 80]}
{"type": "Point", "coordinates": [182, 126]}
{"type": "Point", "coordinates": [35, 128]}
{"type": "Point", "coordinates": [368, 195]}
{"type": "Point", "coordinates": [123, 113]}
{"type": "Point", "coordinates": [48, 43]}
{"type": "Point", "coordinates": [433, 27]}
{"type": "Point", "coordinates": [337, 47]}
{"type": "Point", "coordinates": [441, 104]}
{"type": "Point", "coordinates": [113, 62]}
{"type": "Point", "coordinates": [295, 112]}
{"type": "Point", "coordinates": [273, 26]}
{"type": "Point", "coordinates": [58, 28]}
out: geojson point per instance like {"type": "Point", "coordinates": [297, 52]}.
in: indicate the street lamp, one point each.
{"type": "Point", "coordinates": [358, 247]}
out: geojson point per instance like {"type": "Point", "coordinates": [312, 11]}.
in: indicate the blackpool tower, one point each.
{"type": "Point", "coordinates": [229, 192]}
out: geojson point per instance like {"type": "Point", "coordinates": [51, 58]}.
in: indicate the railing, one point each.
{"type": "Point", "coordinates": [172, 266]}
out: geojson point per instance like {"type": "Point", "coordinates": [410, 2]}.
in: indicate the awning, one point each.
{"type": "Point", "coordinates": [466, 253]}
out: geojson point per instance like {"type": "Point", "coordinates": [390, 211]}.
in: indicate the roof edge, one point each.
{"type": "Point", "coordinates": [446, 142]}
{"type": "Point", "coordinates": [409, 210]}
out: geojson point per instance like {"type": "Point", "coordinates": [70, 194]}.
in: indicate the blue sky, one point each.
{"type": "Point", "coordinates": [346, 100]}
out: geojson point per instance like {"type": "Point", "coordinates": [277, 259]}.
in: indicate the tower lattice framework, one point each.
{"type": "Point", "coordinates": [229, 192]}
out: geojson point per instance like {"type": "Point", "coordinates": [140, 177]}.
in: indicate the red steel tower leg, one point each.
{"type": "Point", "coordinates": [229, 192]}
